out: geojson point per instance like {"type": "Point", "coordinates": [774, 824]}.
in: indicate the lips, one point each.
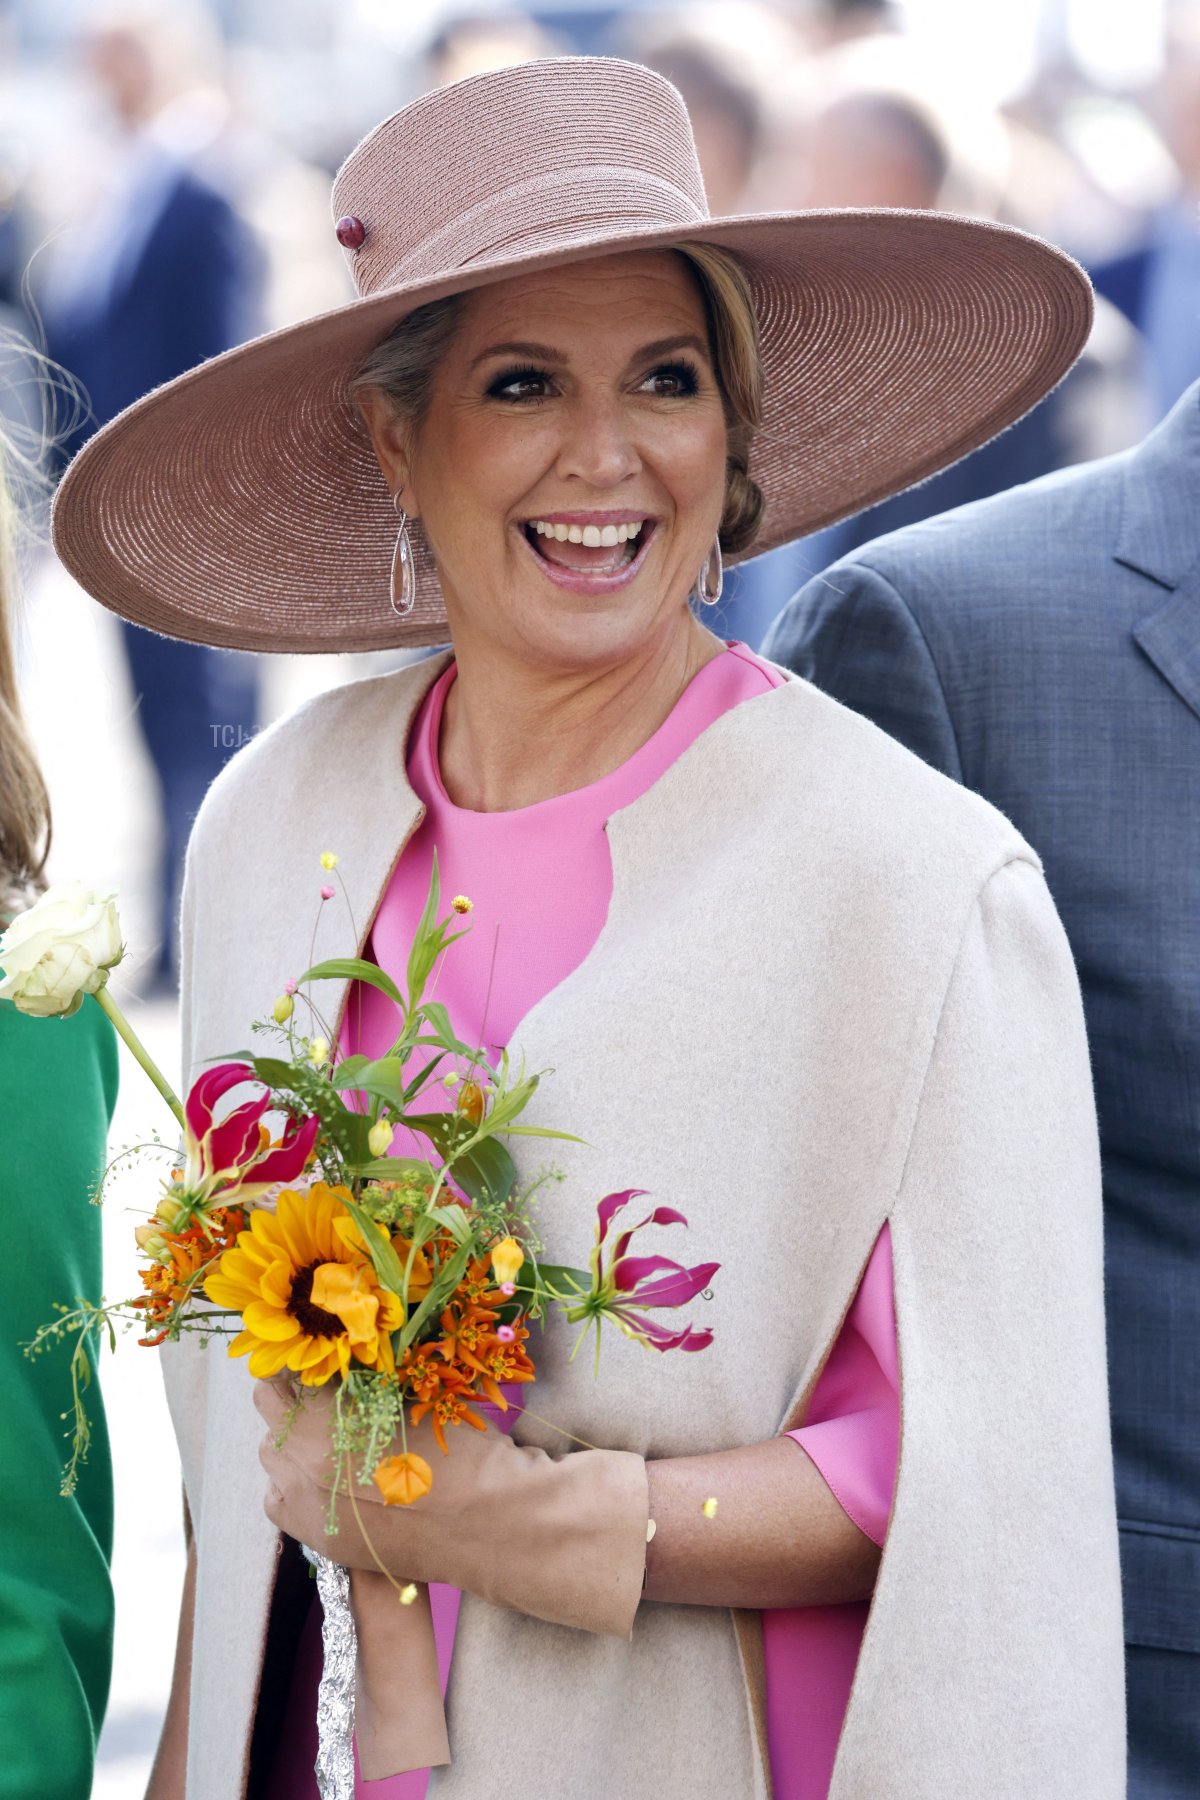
{"type": "Point", "coordinates": [585, 547]}
{"type": "Point", "coordinates": [589, 555]}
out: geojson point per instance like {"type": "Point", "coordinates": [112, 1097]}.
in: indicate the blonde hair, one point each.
{"type": "Point", "coordinates": [737, 360]}
{"type": "Point", "coordinates": [403, 365]}
{"type": "Point", "coordinates": [24, 800]}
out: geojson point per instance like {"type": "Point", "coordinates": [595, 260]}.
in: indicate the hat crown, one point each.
{"type": "Point", "coordinates": [537, 157]}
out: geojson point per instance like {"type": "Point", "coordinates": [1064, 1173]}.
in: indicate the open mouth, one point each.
{"type": "Point", "coordinates": [572, 548]}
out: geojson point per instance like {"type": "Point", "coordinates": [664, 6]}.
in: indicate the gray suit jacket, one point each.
{"type": "Point", "coordinates": [1043, 648]}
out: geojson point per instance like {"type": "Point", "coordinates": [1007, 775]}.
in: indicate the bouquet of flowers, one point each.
{"type": "Point", "coordinates": [287, 1223]}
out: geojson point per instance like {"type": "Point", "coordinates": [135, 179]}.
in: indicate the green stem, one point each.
{"type": "Point", "coordinates": [125, 1030]}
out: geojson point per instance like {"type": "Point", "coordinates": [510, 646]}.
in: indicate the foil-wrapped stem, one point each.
{"type": "Point", "coordinates": [335, 1696]}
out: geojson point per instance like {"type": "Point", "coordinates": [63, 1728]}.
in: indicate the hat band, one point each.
{"type": "Point", "coordinates": [551, 211]}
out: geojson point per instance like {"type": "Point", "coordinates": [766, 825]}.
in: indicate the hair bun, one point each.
{"type": "Point", "coordinates": [744, 508]}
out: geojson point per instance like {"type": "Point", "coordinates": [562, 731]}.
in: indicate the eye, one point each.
{"type": "Point", "coordinates": [520, 384]}
{"type": "Point", "coordinates": [671, 381]}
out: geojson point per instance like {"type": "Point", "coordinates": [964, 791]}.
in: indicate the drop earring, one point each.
{"type": "Point", "coordinates": [712, 576]}
{"type": "Point", "coordinates": [403, 592]}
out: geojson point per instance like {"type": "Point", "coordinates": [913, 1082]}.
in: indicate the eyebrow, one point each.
{"type": "Point", "coordinates": [546, 353]}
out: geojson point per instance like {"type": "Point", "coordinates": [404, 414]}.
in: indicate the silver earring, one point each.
{"type": "Point", "coordinates": [712, 576]}
{"type": "Point", "coordinates": [404, 578]}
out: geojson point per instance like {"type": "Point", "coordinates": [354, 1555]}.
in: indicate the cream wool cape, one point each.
{"type": "Point", "coordinates": [831, 990]}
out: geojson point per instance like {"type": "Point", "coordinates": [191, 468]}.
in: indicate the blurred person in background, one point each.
{"type": "Point", "coordinates": [160, 274]}
{"type": "Point", "coordinates": [834, 22]}
{"type": "Point", "coordinates": [1043, 648]}
{"type": "Point", "coordinates": [1157, 283]}
{"type": "Point", "coordinates": [725, 110]}
{"type": "Point", "coordinates": [473, 44]}
{"type": "Point", "coordinates": [59, 1086]}
{"type": "Point", "coordinates": [857, 131]}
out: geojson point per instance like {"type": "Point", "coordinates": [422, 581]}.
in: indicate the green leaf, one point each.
{"type": "Point", "coordinates": [443, 1129]}
{"type": "Point", "coordinates": [346, 1070]}
{"type": "Point", "coordinates": [426, 942]}
{"type": "Point", "coordinates": [354, 968]}
{"type": "Point", "coordinates": [479, 1163]}
{"type": "Point", "coordinates": [408, 1171]}
{"type": "Point", "coordinates": [275, 1072]}
{"type": "Point", "coordinates": [349, 1132]}
{"type": "Point", "coordinates": [486, 1172]}
{"type": "Point", "coordinates": [455, 1221]}
{"type": "Point", "coordinates": [388, 1266]}
{"type": "Point", "coordinates": [448, 1278]}
{"type": "Point", "coordinates": [447, 1038]}
{"type": "Point", "coordinates": [535, 1276]}
{"type": "Point", "coordinates": [511, 1102]}
{"type": "Point", "coordinates": [418, 1081]}
{"type": "Point", "coordinates": [384, 1078]}
{"type": "Point", "coordinates": [542, 1131]}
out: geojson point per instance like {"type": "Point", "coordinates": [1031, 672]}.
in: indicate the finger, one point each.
{"type": "Point", "coordinates": [271, 1458]}
{"type": "Point", "coordinates": [273, 1402]}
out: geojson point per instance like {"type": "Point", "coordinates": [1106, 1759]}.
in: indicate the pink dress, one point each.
{"type": "Point", "coordinates": [540, 879]}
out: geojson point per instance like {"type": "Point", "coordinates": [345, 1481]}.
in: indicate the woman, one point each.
{"type": "Point", "coordinates": [58, 1088]}
{"type": "Point", "coordinates": [781, 973]}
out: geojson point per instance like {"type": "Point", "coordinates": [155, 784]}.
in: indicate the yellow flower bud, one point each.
{"type": "Point", "coordinates": [507, 1260]}
{"type": "Point", "coordinates": [470, 1102]}
{"type": "Point", "coordinates": [328, 860]}
{"type": "Point", "coordinates": [709, 1509]}
{"type": "Point", "coordinates": [318, 1050]}
{"type": "Point", "coordinates": [379, 1138]}
{"type": "Point", "coordinates": [152, 1243]}
{"type": "Point", "coordinates": [408, 1593]}
{"type": "Point", "coordinates": [461, 904]}
{"type": "Point", "coordinates": [283, 1009]}
{"type": "Point", "coordinates": [169, 1209]}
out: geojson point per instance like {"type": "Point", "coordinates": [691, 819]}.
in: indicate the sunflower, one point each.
{"type": "Point", "coordinates": [308, 1295]}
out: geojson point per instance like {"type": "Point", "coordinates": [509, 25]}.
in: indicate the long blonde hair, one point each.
{"type": "Point", "coordinates": [24, 800]}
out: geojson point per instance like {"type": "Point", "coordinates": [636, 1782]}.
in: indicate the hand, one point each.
{"type": "Point", "coordinates": [562, 1540]}
{"type": "Point", "coordinates": [370, 1532]}
{"type": "Point", "coordinates": [397, 1651]}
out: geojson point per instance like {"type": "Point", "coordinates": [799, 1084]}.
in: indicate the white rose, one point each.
{"type": "Point", "coordinates": [60, 949]}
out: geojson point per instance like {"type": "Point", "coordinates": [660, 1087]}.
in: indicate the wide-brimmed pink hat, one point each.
{"type": "Point", "coordinates": [241, 504]}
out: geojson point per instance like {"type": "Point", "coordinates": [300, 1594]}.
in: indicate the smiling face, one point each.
{"type": "Point", "coordinates": [569, 471]}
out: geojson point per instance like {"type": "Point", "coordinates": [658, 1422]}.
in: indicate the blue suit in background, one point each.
{"type": "Point", "coordinates": [1043, 648]}
{"type": "Point", "coordinates": [168, 276]}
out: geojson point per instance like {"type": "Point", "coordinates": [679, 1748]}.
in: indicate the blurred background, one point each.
{"type": "Point", "coordinates": [164, 179]}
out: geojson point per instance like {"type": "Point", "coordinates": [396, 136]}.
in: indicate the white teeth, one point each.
{"type": "Point", "coordinates": [591, 536]}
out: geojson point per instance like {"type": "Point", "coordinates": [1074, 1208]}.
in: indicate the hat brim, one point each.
{"type": "Point", "coordinates": [241, 504]}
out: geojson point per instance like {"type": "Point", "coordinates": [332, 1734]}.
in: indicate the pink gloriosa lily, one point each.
{"type": "Point", "coordinates": [629, 1285]}
{"type": "Point", "coordinates": [235, 1154]}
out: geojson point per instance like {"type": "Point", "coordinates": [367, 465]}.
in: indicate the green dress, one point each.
{"type": "Point", "coordinates": [58, 1086]}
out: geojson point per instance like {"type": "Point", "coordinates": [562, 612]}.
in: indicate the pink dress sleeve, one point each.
{"type": "Point", "coordinates": [852, 1434]}
{"type": "Point", "coordinates": [852, 1431]}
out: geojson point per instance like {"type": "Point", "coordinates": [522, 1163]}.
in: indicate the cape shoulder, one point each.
{"type": "Point", "coordinates": [331, 745]}
{"type": "Point", "coordinates": [793, 779]}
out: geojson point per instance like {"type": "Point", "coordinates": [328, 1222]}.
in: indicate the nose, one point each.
{"type": "Point", "coordinates": [598, 448]}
